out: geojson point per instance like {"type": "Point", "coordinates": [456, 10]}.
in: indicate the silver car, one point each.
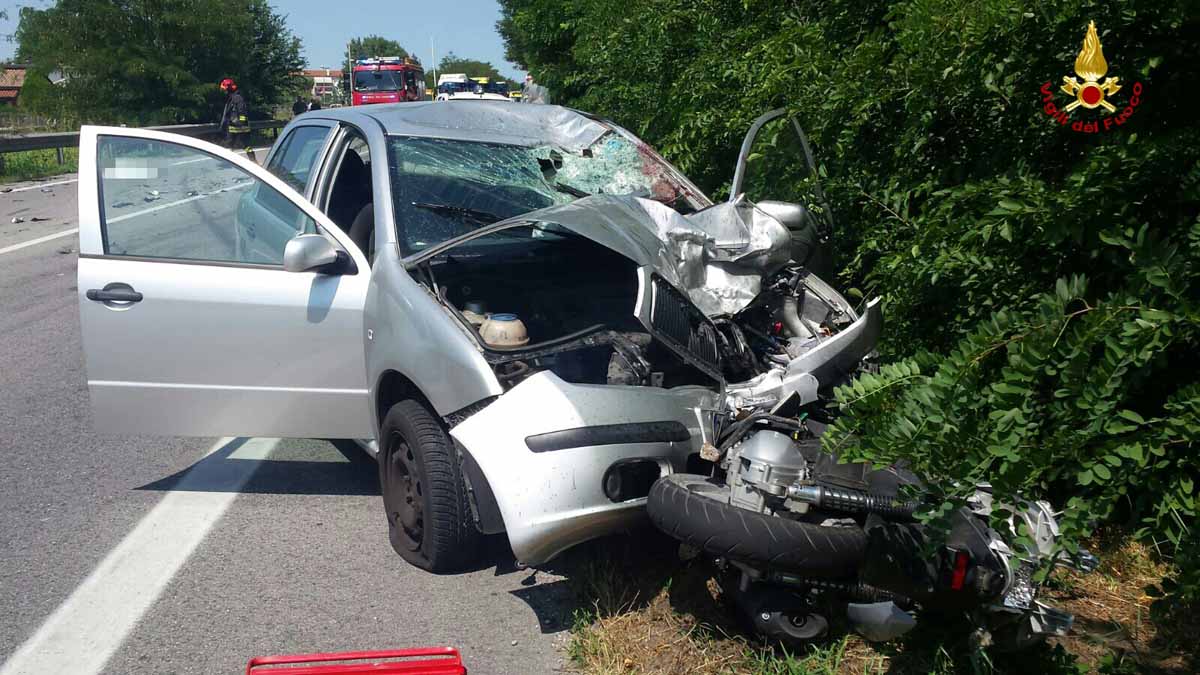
{"type": "Point", "coordinates": [523, 312]}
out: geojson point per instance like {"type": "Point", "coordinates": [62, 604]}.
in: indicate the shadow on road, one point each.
{"type": "Point", "coordinates": [606, 577]}
{"type": "Point", "coordinates": [218, 472]}
{"type": "Point", "coordinates": [616, 575]}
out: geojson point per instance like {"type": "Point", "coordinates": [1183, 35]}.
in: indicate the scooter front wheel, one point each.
{"type": "Point", "coordinates": [695, 510]}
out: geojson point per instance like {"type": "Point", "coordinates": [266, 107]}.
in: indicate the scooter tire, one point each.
{"type": "Point", "coordinates": [694, 509]}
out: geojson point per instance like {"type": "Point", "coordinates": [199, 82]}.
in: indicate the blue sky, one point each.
{"type": "Point", "coordinates": [466, 27]}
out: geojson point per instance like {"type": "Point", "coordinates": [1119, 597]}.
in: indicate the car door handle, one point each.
{"type": "Point", "coordinates": [114, 293]}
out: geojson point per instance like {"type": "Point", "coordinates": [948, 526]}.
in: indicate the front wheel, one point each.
{"type": "Point", "coordinates": [424, 495]}
{"type": "Point", "coordinates": [696, 510]}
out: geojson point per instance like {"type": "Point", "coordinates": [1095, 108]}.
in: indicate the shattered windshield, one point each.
{"type": "Point", "coordinates": [442, 189]}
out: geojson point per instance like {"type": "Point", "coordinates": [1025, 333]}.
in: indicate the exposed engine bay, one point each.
{"type": "Point", "coordinates": [545, 298]}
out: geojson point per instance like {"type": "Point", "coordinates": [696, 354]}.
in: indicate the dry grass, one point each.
{"type": "Point", "coordinates": [1112, 612]}
{"type": "Point", "coordinates": [644, 612]}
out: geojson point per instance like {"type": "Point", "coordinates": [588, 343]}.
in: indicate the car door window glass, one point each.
{"type": "Point", "coordinates": [351, 188]}
{"type": "Point", "coordinates": [294, 161]}
{"type": "Point", "coordinates": [165, 200]}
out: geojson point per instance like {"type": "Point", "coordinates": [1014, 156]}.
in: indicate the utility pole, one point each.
{"type": "Point", "coordinates": [433, 64]}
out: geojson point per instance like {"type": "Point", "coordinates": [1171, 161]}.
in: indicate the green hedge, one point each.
{"type": "Point", "coordinates": [1041, 284]}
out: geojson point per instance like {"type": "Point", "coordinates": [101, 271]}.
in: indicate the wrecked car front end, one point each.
{"type": "Point", "coordinates": [583, 317]}
{"type": "Point", "coordinates": [626, 332]}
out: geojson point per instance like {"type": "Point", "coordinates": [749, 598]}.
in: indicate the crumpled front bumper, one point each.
{"type": "Point", "coordinates": [545, 446]}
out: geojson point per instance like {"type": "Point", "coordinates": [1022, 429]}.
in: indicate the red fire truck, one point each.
{"type": "Point", "coordinates": [388, 79]}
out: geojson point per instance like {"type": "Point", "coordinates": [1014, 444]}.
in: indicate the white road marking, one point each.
{"type": "Point", "coordinates": [42, 185]}
{"type": "Point", "coordinates": [254, 451]}
{"type": "Point", "coordinates": [88, 628]}
{"type": "Point", "coordinates": [76, 180]}
{"type": "Point", "coordinates": [39, 240]}
{"type": "Point", "coordinates": [33, 242]}
{"type": "Point", "coordinates": [64, 233]}
{"type": "Point", "coordinates": [235, 186]}
{"type": "Point", "coordinates": [193, 161]}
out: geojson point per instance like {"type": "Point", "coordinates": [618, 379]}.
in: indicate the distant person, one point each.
{"type": "Point", "coordinates": [235, 120]}
{"type": "Point", "coordinates": [315, 104]}
{"type": "Point", "coordinates": [299, 107]}
{"type": "Point", "coordinates": [532, 92]}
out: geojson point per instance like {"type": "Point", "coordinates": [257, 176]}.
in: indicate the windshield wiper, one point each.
{"type": "Point", "coordinates": [484, 217]}
{"type": "Point", "coordinates": [570, 189]}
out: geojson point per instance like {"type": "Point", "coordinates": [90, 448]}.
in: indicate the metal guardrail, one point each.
{"type": "Point", "coordinates": [68, 139]}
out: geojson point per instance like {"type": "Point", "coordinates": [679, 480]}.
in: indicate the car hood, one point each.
{"type": "Point", "coordinates": [718, 256]}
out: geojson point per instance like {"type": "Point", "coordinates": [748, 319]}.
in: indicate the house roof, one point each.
{"type": "Point", "coordinates": [12, 78]}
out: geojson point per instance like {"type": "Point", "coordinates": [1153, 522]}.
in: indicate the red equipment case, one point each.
{"type": "Point", "coordinates": [420, 661]}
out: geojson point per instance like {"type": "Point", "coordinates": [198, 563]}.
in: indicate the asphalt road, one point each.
{"type": "Point", "coordinates": [143, 554]}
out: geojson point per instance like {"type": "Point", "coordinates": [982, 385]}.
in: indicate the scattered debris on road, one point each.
{"type": "Point", "coordinates": [121, 205]}
{"type": "Point", "coordinates": [38, 219]}
{"type": "Point", "coordinates": [18, 219]}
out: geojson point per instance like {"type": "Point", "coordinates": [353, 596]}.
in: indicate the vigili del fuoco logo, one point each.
{"type": "Point", "coordinates": [1091, 93]}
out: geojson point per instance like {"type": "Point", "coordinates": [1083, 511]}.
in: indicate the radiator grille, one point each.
{"type": "Point", "coordinates": [683, 328]}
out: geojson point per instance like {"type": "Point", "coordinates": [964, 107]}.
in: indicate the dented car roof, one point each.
{"type": "Point", "coordinates": [488, 121]}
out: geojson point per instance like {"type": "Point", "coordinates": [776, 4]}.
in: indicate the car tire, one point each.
{"type": "Point", "coordinates": [694, 509]}
{"type": "Point", "coordinates": [424, 495]}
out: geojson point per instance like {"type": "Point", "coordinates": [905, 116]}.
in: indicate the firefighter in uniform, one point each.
{"type": "Point", "coordinates": [235, 122]}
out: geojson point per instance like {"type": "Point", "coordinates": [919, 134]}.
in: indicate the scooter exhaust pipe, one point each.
{"type": "Point", "coordinates": [853, 501]}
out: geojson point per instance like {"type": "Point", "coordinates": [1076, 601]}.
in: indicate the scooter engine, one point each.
{"type": "Point", "coordinates": [762, 468]}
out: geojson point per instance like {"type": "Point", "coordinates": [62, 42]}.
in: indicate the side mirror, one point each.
{"type": "Point", "coordinates": [313, 253]}
{"type": "Point", "coordinates": [805, 231]}
{"type": "Point", "coordinates": [793, 216]}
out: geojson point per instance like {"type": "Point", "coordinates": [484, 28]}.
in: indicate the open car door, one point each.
{"type": "Point", "coordinates": [191, 324]}
{"type": "Point", "coordinates": [775, 170]}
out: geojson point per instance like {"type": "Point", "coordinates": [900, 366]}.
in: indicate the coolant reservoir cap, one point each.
{"type": "Point", "coordinates": [504, 330]}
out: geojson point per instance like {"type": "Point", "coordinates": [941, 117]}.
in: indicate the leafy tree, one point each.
{"type": "Point", "coordinates": [155, 61]}
{"type": "Point", "coordinates": [1040, 284]}
{"type": "Point", "coordinates": [372, 46]}
{"type": "Point", "coordinates": [375, 45]}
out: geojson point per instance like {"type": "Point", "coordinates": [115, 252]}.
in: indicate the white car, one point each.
{"type": "Point", "coordinates": [459, 87]}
